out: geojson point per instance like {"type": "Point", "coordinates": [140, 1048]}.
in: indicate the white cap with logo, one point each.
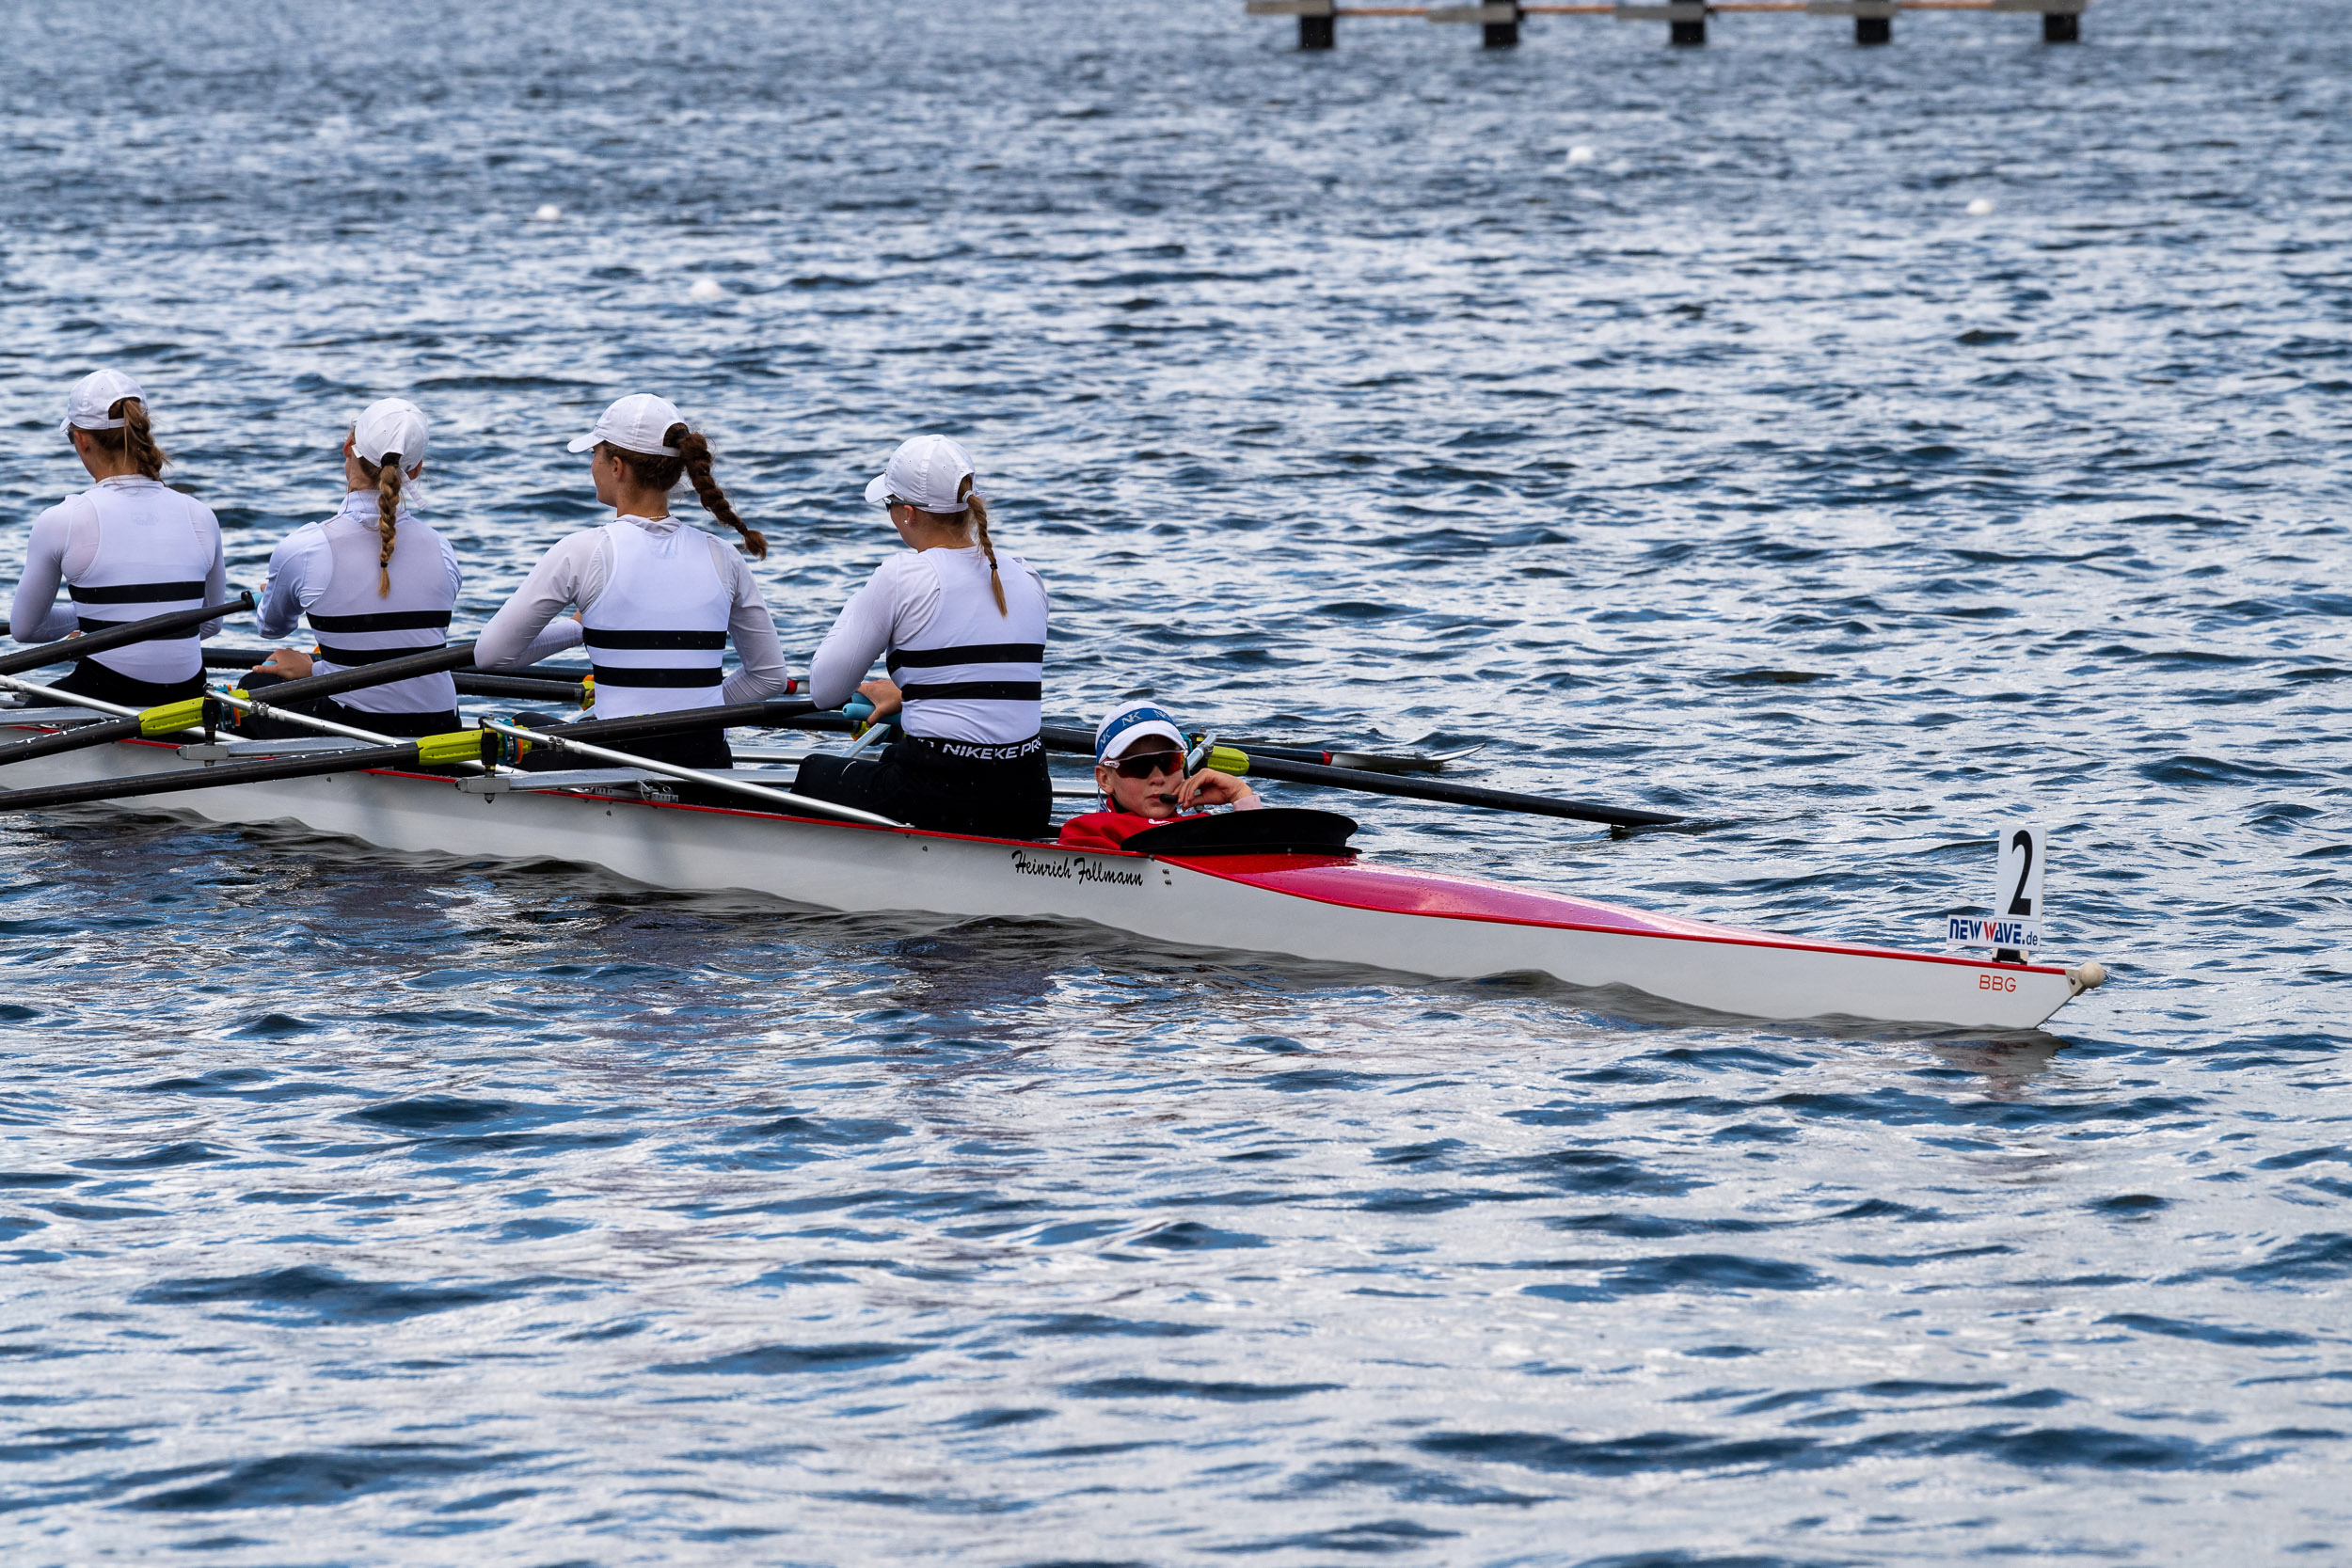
{"type": "Point", "coordinates": [86, 406]}
{"type": "Point", "coordinates": [927, 473]}
{"type": "Point", "coordinates": [393, 426]}
{"type": "Point", "coordinates": [1116, 735]}
{"type": "Point", "coordinates": [639, 423]}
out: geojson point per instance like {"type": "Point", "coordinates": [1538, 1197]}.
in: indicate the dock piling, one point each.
{"type": "Point", "coordinates": [1318, 19]}
{"type": "Point", "coordinates": [1686, 20]}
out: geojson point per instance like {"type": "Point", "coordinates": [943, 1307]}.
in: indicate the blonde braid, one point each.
{"type": "Point", "coordinates": [976, 509]}
{"type": "Point", "coordinates": [387, 477]}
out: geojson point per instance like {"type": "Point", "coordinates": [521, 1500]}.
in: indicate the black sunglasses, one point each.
{"type": "Point", "coordinates": [1150, 763]}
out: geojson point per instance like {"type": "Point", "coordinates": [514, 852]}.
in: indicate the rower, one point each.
{"type": "Point", "coordinates": [376, 583]}
{"type": "Point", "coordinates": [657, 601]}
{"type": "Point", "coordinates": [968, 625]}
{"type": "Point", "coordinates": [1139, 768]}
{"type": "Point", "coordinates": [128, 547]}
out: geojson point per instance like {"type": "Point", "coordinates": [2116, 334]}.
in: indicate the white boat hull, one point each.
{"type": "Point", "coordinates": [1308, 907]}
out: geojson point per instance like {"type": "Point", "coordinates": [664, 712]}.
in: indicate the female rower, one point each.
{"type": "Point", "coordinates": [656, 601]}
{"type": "Point", "coordinates": [377, 584]}
{"type": "Point", "coordinates": [970, 625]}
{"type": "Point", "coordinates": [1140, 768]}
{"type": "Point", "coordinates": [126, 548]}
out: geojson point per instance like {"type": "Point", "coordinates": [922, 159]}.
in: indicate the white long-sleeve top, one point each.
{"type": "Point", "coordinates": [934, 613]}
{"type": "Point", "coordinates": [575, 574]}
{"type": "Point", "coordinates": [64, 548]}
{"type": "Point", "coordinates": [330, 570]}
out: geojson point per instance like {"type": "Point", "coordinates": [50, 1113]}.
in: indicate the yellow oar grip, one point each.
{"type": "Point", "coordinates": [1225, 760]}
{"type": "Point", "coordinates": [457, 745]}
{"type": "Point", "coordinates": [172, 717]}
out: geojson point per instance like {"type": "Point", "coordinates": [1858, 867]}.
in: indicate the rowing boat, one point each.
{"type": "Point", "coordinates": [1316, 902]}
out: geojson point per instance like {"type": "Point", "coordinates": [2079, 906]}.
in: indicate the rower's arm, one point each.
{"type": "Point", "coordinates": [519, 633]}
{"type": "Point", "coordinates": [36, 616]}
{"type": "Point", "coordinates": [752, 631]}
{"type": "Point", "coordinates": [280, 609]}
{"type": "Point", "coordinates": [859, 637]}
{"type": "Point", "coordinates": [217, 575]}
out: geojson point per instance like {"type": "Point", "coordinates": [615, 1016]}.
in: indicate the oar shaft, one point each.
{"type": "Point", "coordinates": [1454, 794]}
{"type": "Point", "coordinates": [116, 636]}
{"type": "Point", "coordinates": [75, 740]}
{"type": "Point", "coordinates": [1064, 739]}
{"type": "Point", "coordinates": [217, 776]}
{"type": "Point", "coordinates": [564, 740]}
{"type": "Point", "coordinates": [289, 692]}
{"type": "Point", "coordinates": [543, 687]}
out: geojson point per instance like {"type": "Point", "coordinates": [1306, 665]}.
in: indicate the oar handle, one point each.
{"type": "Point", "coordinates": [431, 661]}
{"type": "Point", "coordinates": [115, 637]}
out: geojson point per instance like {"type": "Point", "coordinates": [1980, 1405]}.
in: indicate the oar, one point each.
{"type": "Point", "coordinates": [565, 740]}
{"type": "Point", "coordinates": [544, 686]}
{"type": "Point", "coordinates": [172, 717]}
{"type": "Point", "coordinates": [115, 637]}
{"type": "Point", "coordinates": [433, 750]}
{"type": "Point", "coordinates": [1228, 759]}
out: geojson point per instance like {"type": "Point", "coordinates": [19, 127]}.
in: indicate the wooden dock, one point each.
{"type": "Point", "coordinates": [1685, 19]}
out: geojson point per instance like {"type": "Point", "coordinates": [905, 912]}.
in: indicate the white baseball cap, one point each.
{"type": "Point", "coordinates": [927, 472]}
{"type": "Point", "coordinates": [394, 426]}
{"type": "Point", "coordinates": [86, 406]}
{"type": "Point", "coordinates": [639, 423]}
{"type": "Point", "coordinates": [1116, 735]}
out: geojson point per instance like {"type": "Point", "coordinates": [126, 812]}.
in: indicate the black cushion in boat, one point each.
{"type": "Point", "coordinates": [1275, 830]}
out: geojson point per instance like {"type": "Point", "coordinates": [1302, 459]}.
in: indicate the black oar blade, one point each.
{"type": "Point", "coordinates": [116, 636]}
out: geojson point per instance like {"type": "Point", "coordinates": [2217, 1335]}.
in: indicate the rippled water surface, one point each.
{"type": "Point", "coordinates": [367, 1210]}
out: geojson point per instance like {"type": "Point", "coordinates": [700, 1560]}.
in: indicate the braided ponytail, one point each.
{"type": "Point", "coordinates": [135, 440]}
{"type": "Point", "coordinates": [693, 457]}
{"type": "Point", "coordinates": [976, 509]}
{"type": "Point", "coordinates": [387, 477]}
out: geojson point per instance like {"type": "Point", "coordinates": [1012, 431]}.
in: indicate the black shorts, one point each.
{"type": "Point", "coordinates": [92, 679]}
{"type": "Point", "coordinates": [1002, 792]}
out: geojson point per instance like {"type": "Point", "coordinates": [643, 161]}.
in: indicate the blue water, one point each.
{"type": "Point", "coordinates": [365, 1210]}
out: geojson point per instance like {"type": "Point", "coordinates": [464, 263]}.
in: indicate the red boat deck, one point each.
{"type": "Point", "coordinates": [1353, 885]}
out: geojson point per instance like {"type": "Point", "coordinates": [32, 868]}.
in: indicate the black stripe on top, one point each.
{"type": "Point", "coordinates": [698, 640]}
{"type": "Point", "coordinates": [608, 674]}
{"type": "Point", "coordinates": [396, 620]}
{"type": "Point", "coordinates": [992, 691]}
{"type": "Point", "coordinates": [972, 653]}
{"type": "Point", "coordinates": [137, 593]}
{"type": "Point", "coordinates": [355, 657]}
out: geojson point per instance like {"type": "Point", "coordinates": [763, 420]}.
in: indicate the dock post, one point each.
{"type": "Point", "coordinates": [1498, 20]}
{"type": "Point", "coordinates": [1317, 18]}
{"type": "Point", "coordinates": [1868, 30]}
{"type": "Point", "coordinates": [2061, 27]}
{"type": "Point", "coordinates": [1689, 35]}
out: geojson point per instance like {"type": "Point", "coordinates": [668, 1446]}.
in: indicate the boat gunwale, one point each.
{"type": "Point", "coordinates": [1734, 937]}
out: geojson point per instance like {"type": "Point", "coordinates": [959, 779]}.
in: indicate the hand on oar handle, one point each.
{"type": "Point", "coordinates": [290, 664]}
